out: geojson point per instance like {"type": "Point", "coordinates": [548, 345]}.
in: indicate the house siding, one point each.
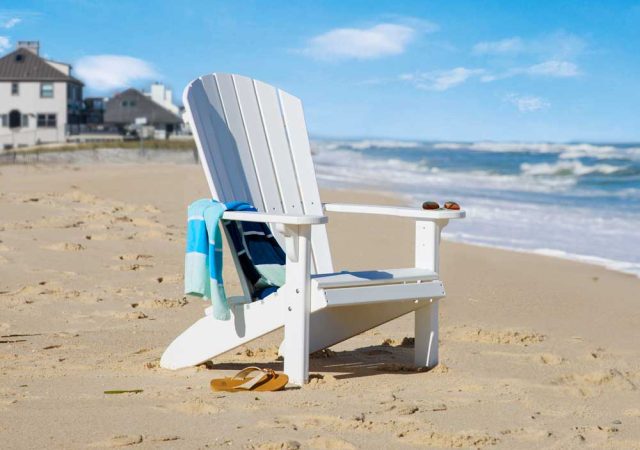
{"type": "Point", "coordinates": [29, 103]}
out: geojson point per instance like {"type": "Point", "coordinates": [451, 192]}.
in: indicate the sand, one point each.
{"type": "Point", "coordinates": [536, 352]}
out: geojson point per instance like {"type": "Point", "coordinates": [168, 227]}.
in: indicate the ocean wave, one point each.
{"type": "Point", "coordinates": [354, 167]}
{"type": "Point", "coordinates": [365, 144]}
{"type": "Point", "coordinates": [564, 151]}
{"type": "Point", "coordinates": [568, 168]}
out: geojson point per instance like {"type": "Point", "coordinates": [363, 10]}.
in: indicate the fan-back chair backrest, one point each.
{"type": "Point", "coordinates": [253, 144]}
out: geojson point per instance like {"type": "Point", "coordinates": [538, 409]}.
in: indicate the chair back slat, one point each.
{"type": "Point", "coordinates": [233, 117]}
{"type": "Point", "coordinates": [306, 175]}
{"type": "Point", "coordinates": [279, 148]}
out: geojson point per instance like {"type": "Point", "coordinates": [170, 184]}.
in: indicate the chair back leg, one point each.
{"type": "Point", "coordinates": [426, 336]}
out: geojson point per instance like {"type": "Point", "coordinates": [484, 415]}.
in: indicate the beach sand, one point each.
{"type": "Point", "coordinates": [536, 352]}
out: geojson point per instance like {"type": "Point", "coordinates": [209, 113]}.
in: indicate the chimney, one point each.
{"type": "Point", "coordinates": [32, 46]}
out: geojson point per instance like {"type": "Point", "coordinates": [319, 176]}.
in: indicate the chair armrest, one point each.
{"type": "Point", "coordinates": [397, 211]}
{"type": "Point", "coordinates": [254, 216]}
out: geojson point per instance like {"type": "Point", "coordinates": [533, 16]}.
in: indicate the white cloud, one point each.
{"type": "Point", "coordinates": [546, 69]}
{"type": "Point", "coordinates": [385, 39]}
{"type": "Point", "coordinates": [503, 46]}
{"type": "Point", "coordinates": [441, 80]}
{"type": "Point", "coordinates": [558, 45]}
{"type": "Point", "coordinates": [5, 43]}
{"type": "Point", "coordinates": [553, 68]}
{"type": "Point", "coordinates": [108, 72]}
{"type": "Point", "coordinates": [527, 103]}
{"type": "Point", "coordinates": [10, 23]}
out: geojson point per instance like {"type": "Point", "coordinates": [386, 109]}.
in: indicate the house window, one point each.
{"type": "Point", "coordinates": [4, 120]}
{"type": "Point", "coordinates": [47, 121]}
{"type": "Point", "coordinates": [46, 90]}
{"type": "Point", "coordinates": [15, 119]}
{"type": "Point", "coordinates": [15, 89]}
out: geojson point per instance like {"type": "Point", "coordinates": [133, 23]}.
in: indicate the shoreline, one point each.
{"type": "Point", "coordinates": [608, 264]}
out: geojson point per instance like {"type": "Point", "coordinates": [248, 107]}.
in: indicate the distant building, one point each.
{"type": "Point", "coordinates": [93, 115]}
{"type": "Point", "coordinates": [125, 108]}
{"type": "Point", "coordinates": [40, 102]}
{"type": "Point", "coordinates": [163, 97]}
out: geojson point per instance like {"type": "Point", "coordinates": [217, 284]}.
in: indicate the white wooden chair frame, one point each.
{"type": "Point", "coordinates": [253, 145]}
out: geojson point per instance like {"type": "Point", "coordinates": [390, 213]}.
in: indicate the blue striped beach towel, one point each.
{"type": "Point", "coordinates": [261, 258]}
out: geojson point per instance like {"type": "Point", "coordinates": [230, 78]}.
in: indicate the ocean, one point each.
{"type": "Point", "coordinates": [578, 200]}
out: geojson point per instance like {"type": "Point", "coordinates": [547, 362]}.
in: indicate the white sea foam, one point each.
{"type": "Point", "coordinates": [365, 144]}
{"type": "Point", "coordinates": [565, 151]}
{"type": "Point", "coordinates": [356, 168]}
{"type": "Point", "coordinates": [569, 167]}
{"type": "Point", "coordinates": [512, 245]}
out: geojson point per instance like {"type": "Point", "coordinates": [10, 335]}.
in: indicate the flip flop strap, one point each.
{"type": "Point", "coordinates": [248, 385]}
{"type": "Point", "coordinates": [246, 371]}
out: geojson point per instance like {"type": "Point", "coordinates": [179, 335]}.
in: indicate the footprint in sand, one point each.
{"type": "Point", "coordinates": [80, 197]}
{"type": "Point", "coordinates": [66, 247]}
{"type": "Point", "coordinates": [133, 257]}
{"type": "Point", "coordinates": [322, 422]}
{"type": "Point", "coordinates": [196, 406]}
{"type": "Point", "coordinates": [317, 380]}
{"type": "Point", "coordinates": [147, 235]}
{"type": "Point", "coordinates": [595, 383]}
{"type": "Point", "coordinates": [99, 237]}
{"type": "Point", "coordinates": [449, 440]}
{"type": "Point", "coordinates": [165, 303]}
{"type": "Point", "coordinates": [280, 445]}
{"type": "Point", "coordinates": [133, 267]}
{"type": "Point", "coordinates": [169, 279]}
{"type": "Point", "coordinates": [134, 315]}
{"type": "Point", "coordinates": [497, 336]}
{"type": "Point", "coordinates": [548, 359]}
{"type": "Point", "coordinates": [122, 440]}
{"type": "Point", "coordinates": [325, 442]}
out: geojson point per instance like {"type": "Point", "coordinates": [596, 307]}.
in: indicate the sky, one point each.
{"type": "Point", "coordinates": [459, 70]}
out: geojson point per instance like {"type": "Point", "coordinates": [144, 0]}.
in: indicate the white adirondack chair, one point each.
{"type": "Point", "coordinates": [253, 145]}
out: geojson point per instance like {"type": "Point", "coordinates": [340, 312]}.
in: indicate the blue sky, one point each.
{"type": "Point", "coordinates": [467, 70]}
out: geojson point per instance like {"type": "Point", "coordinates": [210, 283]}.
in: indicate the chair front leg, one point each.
{"type": "Point", "coordinates": [427, 256]}
{"type": "Point", "coordinates": [297, 304]}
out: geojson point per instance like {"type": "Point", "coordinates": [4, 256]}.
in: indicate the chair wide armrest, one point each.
{"type": "Point", "coordinates": [397, 211]}
{"type": "Point", "coordinates": [254, 216]}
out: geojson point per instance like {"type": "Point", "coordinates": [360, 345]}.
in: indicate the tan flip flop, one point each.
{"type": "Point", "coordinates": [264, 380]}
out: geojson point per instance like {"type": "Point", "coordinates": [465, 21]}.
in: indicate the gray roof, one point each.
{"type": "Point", "coordinates": [119, 114]}
{"type": "Point", "coordinates": [24, 65]}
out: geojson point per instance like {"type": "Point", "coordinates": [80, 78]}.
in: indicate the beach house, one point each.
{"type": "Point", "coordinates": [123, 110]}
{"type": "Point", "coordinates": [40, 101]}
{"type": "Point", "coordinates": [163, 96]}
